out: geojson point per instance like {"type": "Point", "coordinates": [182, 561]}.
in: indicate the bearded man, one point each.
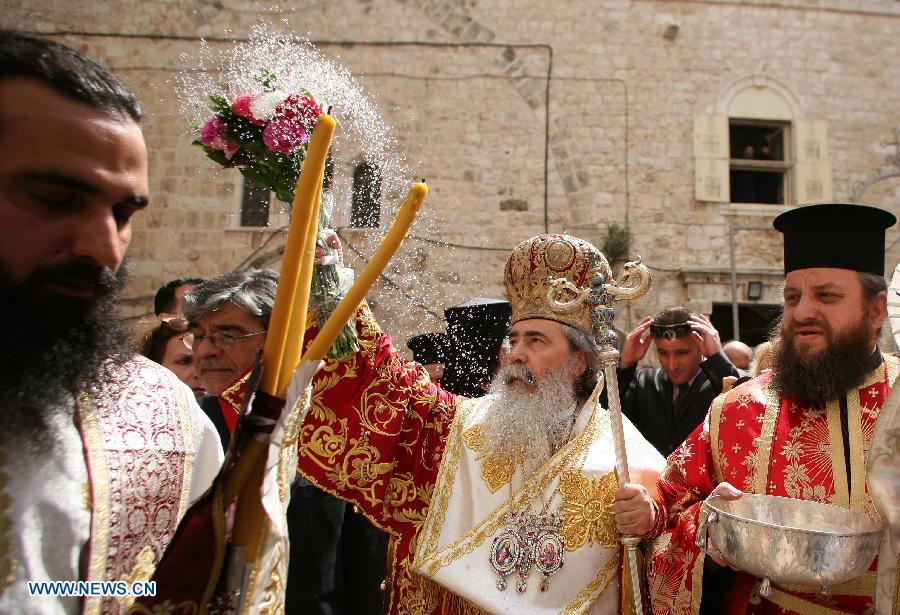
{"type": "Point", "coordinates": [100, 450]}
{"type": "Point", "coordinates": [487, 498]}
{"type": "Point", "coordinates": [801, 430]}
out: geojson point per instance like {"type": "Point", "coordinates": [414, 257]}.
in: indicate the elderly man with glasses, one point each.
{"type": "Point", "coordinates": [227, 321]}
{"type": "Point", "coordinates": [228, 317]}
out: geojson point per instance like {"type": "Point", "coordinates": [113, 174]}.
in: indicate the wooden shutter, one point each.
{"type": "Point", "coordinates": [812, 162]}
{"type": "Point", "coordinates": [711, 158]}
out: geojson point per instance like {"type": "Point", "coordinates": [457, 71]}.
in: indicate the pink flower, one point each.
{"type": "Point", "coordinates": [241, 107]}
{"type": "Point", "coordinates": [212, 135]}
{"type": "Point", "coordinates": [284, 135]}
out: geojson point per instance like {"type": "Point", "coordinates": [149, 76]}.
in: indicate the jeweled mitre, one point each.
{"type": "Point", "coordinates": [545, 276]}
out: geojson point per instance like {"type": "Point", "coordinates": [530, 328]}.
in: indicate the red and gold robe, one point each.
{"type": "Point", "coordinates": [762, 444]}
{"type": "Point", "coordinates": [385, 460]}
{"type": "Point", "coordinates": [382, 436]}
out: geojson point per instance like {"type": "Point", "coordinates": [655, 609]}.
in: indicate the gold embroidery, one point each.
{"type": "Point", "coordinates": [858, 451]}
{"type": "Point", "coordinates": [587, 510]}
{"type": "Point", "coordinates": [761, 456]}
{"type": "Point", "coordinates": [144, 566]}
{"type": "Point", "coordinates": [595, 588]}
{"type": "Point", "coordinates": [571, 454]}
{"type": "Point", "coordinates": [438, 508]}
{"type": "Point", "coordinates": [443, 601]}
{"type": "Point", "coordinates": [86, 495]}
{"type": "Point", "coordinates": [187, 441]}
{"type": "Point", "coordinates": [100, 496]}
{"type": "Point", "coordinates": [841, 495]}
{"type": "Point", "coordinates": [287, 463]}
{"type": "Point", "coordinates": [896, 609]}
{"type": "Point", "coordinates": [8, 563]}
{"type": "Point", "coordinates": [799, 605]}
{"type": "Point", "coordinates": [272, 600]}
{"type": "Point", "coordinates": [665, 576]}
{"type": "Point", "coordinates": [715, 418]}
{"type": "Point", "coordinates": [167, 607]}
{"type": "Point", "coordinates": [861, 586]}
{"type": "Point", "coordinates": [234, 394]}
{"type": "Point", "coordinates": [495, 469]}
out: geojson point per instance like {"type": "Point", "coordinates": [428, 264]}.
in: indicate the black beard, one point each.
{"type": "Point", "coordinates": [56, 346]}
{"type": "Point", "coordinates": [813, 379]}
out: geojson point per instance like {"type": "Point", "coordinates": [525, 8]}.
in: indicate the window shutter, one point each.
{"type": "Point", "coordinates": [812, 168]}
{"type": "Point", "coordinates": [711, 158]}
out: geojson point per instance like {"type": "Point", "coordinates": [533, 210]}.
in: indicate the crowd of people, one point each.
{"type": "Point", "coordinates": [480, 479]}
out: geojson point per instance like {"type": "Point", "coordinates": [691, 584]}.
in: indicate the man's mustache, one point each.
{"type": "Point", "coordinates": [812, 322]}
{"type": "Point", "coordinates": [514, 371]}
{"type": "Point", "coordinates": [100, 279]}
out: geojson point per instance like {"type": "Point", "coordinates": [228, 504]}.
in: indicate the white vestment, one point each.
{"type": "Point", "coordinates": [473, 494]}
{"type": "Point", "coordinates": [102, 503]}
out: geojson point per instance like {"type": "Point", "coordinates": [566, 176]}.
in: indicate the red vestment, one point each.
{"type": "Point", "coordinates": [377, 441]}
{"type": "Point", "coordinates": [761, 443]}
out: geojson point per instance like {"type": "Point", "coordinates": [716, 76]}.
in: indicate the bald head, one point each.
{"type": "Point", "coordinates": [739, 353]}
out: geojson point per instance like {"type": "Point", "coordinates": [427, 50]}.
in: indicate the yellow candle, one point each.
{"type": "Point", "coordinates": [389, 244]}
{"type": "Point", "coordinates": [301, 219]}
{"type": "Point", "coordinates": [297, 328]}
{"type": "Point", "coordinates": [245, 477]}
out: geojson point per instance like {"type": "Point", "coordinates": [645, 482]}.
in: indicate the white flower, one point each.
{"type": "Point", "coordinates": [263, 108]}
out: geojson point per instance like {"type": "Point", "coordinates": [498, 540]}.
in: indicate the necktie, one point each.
{"type": "Point", "coordinates": [682, 393]}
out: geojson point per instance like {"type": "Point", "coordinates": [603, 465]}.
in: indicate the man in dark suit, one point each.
{"type": "Point", "coordinates": [667, 403]}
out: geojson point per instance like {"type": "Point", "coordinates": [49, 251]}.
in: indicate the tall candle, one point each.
{"type": "Point", "coordinates": [301, 220]}
{"type": "Point", "coordinates": [297, 328]}
{"type": "Point", "coordinates": [389, 245]}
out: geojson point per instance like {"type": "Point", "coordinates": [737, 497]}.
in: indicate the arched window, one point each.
{"type": "Point", "coordinates": [255, 204]}
{"type": "Point", "coordinates": [757, 148]}
{"type": "Point", "coordinates": [365, 209]}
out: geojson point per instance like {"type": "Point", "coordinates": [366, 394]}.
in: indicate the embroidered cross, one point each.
{"type": "Point", "coordinates": [740, 424]}
{"type": "Point", "coordinates": [736, 448]}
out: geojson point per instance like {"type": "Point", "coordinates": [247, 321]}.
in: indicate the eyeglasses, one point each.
{"type": "Point", "coordinates": [671, 332]}
{"type": "Point", "coordinates": [219, 339]}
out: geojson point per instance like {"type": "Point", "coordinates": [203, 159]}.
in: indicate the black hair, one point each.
{"type": "Point", "coordinates": [67, 71]}
{"type": "Point", "coordinates": [672, 316]}
{"type": "Point", "coordinates": [164, 301]}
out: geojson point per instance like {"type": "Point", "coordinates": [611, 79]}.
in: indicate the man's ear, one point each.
{"type": "Point", "coordinates": [877, 311]}
{"type": "Point", "coordinates": [582, 361]}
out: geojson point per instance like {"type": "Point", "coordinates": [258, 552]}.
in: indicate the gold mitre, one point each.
{"type": "Point", "coordinates": [536, 276]}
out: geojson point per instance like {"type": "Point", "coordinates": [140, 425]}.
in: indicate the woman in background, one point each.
{"type": "Point", "coordinates": [164, 344]}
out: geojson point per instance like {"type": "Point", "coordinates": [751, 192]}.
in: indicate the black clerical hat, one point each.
{"type": "Point", "coordinates": [838, 235]}
{"type": "Point", "coordinates": [428, 348]}
{"type": "Point", "coordinates": [475, 332]}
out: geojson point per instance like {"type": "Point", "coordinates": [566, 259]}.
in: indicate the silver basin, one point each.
{"type": "Point", "coordinates": [784, 540]}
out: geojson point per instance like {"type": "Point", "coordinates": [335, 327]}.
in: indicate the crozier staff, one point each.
{"type": "Point", "coordinates": [495, 494]}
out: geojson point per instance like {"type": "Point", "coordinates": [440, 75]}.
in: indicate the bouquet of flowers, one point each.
{"type": "Point", "coordinates": [265, 134]}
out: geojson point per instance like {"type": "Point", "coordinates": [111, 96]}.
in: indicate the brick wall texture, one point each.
{"type": "Point", "coordinates": [523, 115]}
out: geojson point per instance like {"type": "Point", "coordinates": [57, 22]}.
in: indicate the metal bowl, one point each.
{"type": "Point", "coordinates": [784, 540]}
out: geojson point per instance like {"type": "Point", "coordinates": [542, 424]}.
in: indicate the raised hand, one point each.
{"type": "Point", "coordinates": [704, 335]}
{"type": "Point", "coordinates": [637, 342]}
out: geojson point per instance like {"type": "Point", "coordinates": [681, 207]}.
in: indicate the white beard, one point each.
{"type": "Point", "coordinates": [530, 427]}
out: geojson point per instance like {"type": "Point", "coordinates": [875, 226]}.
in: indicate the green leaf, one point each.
{"type": "Point", "coordinates": [219, 104]}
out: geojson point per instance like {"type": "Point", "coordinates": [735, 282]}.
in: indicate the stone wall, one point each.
{"type": "Point", "coordinates": [520, 114]}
